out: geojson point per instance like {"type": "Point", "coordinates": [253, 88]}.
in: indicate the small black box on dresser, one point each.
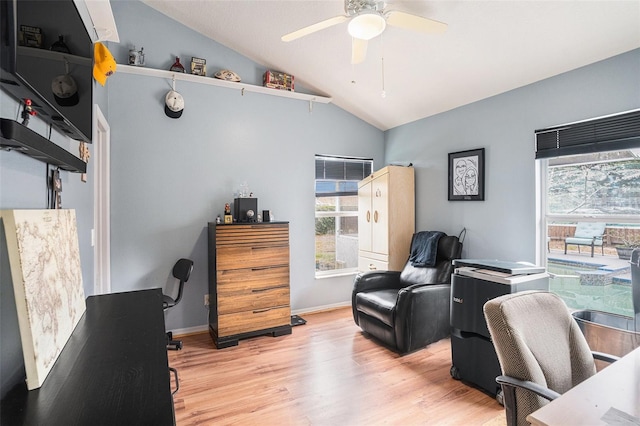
{"type": "Point", "coordinates": [241, 206]}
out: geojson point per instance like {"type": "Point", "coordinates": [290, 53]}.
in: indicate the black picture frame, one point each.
{"type": "Point", "coordinates": [466, 175]}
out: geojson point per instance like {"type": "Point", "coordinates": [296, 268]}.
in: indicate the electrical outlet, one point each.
{"type": "Point", "coordinates": [206, 300]}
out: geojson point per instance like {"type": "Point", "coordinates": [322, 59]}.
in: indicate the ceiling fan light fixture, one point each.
{"type": "Point", "coordinates": [367, 26]}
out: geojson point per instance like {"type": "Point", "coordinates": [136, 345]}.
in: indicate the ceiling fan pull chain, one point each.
{"type": "Point", "coordinates": [383, 94]}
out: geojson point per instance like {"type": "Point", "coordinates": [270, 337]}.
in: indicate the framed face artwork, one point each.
{"type": "Point", "coordinates": [466, 175]}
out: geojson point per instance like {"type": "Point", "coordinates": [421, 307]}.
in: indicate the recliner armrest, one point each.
{"type": "Point", "coordinates": [430, 291]}
{"type": "Point", "coordinates": [377, 280]}
{"type": "Point", "coordinates": [371, 281]}
{"type": "Point", "coordinates": [422, 315]}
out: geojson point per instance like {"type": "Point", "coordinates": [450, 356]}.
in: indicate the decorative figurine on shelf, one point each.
{"type": "Point", "coordinates": [244, 190]}
{"type": "Point", "coordinates": [218, 220]}
{"type": "Point", "coordinates": [227, 213]}
{"type": "Point", "coordinates": [60, 46]}
{"type": "Point", "coordinates": [177, 66]}
{"type": "Point", "coordinates": [83, 149]}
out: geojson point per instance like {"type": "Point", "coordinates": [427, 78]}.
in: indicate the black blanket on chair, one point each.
{"type": "Point", "coordinates": [424, 248]}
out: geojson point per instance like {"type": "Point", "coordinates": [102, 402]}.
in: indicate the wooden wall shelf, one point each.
{"type": "Point", "coordinates": [151, 72]}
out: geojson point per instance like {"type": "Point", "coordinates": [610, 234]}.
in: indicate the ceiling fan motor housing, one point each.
{"type": "Point", "coordinates": [353, 7]}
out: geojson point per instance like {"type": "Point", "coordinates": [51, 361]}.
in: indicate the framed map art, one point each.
{"type": "Point", "coordinates": [44, 259]}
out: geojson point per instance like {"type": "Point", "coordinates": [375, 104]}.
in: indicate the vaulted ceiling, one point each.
{"type": "Point", "coordinates": [490, 47]}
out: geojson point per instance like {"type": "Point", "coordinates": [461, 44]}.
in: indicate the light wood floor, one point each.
{"type": "Point", "coordinates": [326, 373]}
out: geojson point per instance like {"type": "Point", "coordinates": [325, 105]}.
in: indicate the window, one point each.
{"type": "Point", "coordinates": [336, 212]}
{"type": "Point", "coordinates": [600, 187]}
{"type": "Point", "coordinates": [590, 172]}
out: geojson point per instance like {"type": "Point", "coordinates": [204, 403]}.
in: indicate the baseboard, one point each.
{"type": "Point", "coordinates": [323, 308]}
{"type": "Point", "coordinates": [199, 329]}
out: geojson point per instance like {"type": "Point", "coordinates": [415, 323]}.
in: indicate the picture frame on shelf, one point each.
{"type": "Point", "coordinates": [466, 175]}
{"type": "Point", "coordinates": [198, 66]}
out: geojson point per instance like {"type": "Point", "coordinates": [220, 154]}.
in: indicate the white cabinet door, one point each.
{"type": "Point", "coordinates": [365, 215]}
{"type": "Point", "coordinates": [380, 217]}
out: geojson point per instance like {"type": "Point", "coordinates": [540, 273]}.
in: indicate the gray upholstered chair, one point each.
{"type": "Point", "coordinates": [541, 350]}
{"type": "Point", "coordinates": [587, 234]}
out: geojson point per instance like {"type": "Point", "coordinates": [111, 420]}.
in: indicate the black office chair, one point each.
{"type": "Point", "coordinates": [181, 271]}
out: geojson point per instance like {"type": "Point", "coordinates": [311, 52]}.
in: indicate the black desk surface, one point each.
{"type": "Point", "coordinates": [112, 371]}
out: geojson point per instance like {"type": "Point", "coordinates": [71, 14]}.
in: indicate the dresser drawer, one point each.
{"type": "Point", "coordinates": [251, 300]}
{"type": "Point", "coordinates": [249, 235]}
{"type": "Point", "coordinates": [258, 319]}
{"type": "Point", "coordinates": [238, 280]}
{"type": "Point", "coordinates": [247, 257]}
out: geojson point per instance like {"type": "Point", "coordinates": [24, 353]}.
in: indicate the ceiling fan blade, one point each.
{"type": "Point", "coordinates": [315, 27]}
{"type": "Point", "coordinates": [415, 23]}
{"type": "Point", "coordinates": [358, 50]}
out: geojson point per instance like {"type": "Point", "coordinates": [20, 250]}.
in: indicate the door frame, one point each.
{"type": "Point", "coordinates": [102, 203]}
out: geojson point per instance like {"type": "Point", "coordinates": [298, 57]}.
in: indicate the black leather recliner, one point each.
{"type": "Point", "coordinates": [407, 310]}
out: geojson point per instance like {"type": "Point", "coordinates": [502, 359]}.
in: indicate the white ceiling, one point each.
{"type": "Point", "coordinates": [489, 47]}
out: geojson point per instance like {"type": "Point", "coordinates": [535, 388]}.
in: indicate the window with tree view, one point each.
{"type": "Point", "coordinates": [598, 188]}
{"type": "Point", "coordinates": [336, 212]}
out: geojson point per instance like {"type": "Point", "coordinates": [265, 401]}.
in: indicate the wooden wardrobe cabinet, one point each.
{"type": "Point", "coordinates": [248, 281]}
{"type": "Point", "coordinates": [386, 218]}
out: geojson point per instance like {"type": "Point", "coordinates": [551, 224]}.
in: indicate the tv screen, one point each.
{"type": "Point", "coordinates": [47, 57]}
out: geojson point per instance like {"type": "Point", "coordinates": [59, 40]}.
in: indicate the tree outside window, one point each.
{"type": "Point", "coordinates": [336, 213]}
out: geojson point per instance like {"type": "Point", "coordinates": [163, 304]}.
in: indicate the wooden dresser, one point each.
{"type": "Point", "coordinates": [248, 281]}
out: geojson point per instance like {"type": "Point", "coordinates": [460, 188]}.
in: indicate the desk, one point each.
{"type": "Point", "coordinates": [112, 371]}
{"type": "Point", "coordinates": [617, 386]}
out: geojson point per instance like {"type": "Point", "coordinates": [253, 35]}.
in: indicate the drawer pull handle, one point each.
{"type": "Point", "coordinates": [266, 247]}
{"type": "Point", "coordinates": [262, 290]}
{"type": "Point", "coordinates": [372, 267]}
{"type": "Point", "coordinates": [259, 311]}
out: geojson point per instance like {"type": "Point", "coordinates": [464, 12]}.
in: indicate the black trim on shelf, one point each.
{"type": "Point", "coordinates": [16, 137]}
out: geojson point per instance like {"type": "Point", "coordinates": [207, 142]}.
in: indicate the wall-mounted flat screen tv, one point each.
{"type": "Point", "coordinates": [47, 57]}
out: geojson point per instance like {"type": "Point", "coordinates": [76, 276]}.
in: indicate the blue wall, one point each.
{"type": "Point", "coordinates": [503, 226]}
{"type": "Point", "coordinates": [170, 177]}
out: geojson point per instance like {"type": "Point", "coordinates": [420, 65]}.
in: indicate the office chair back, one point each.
{"type": "Point", "coordinates": [537, 340]}
{"type": "Point", "coordinates": [181, 271]}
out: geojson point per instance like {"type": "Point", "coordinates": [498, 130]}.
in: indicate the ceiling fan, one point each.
{"type": "Point", "coordinates": [368, 19]}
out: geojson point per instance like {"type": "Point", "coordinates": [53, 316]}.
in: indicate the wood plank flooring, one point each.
{"type": "Point", "coordinates": [326, 373]}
